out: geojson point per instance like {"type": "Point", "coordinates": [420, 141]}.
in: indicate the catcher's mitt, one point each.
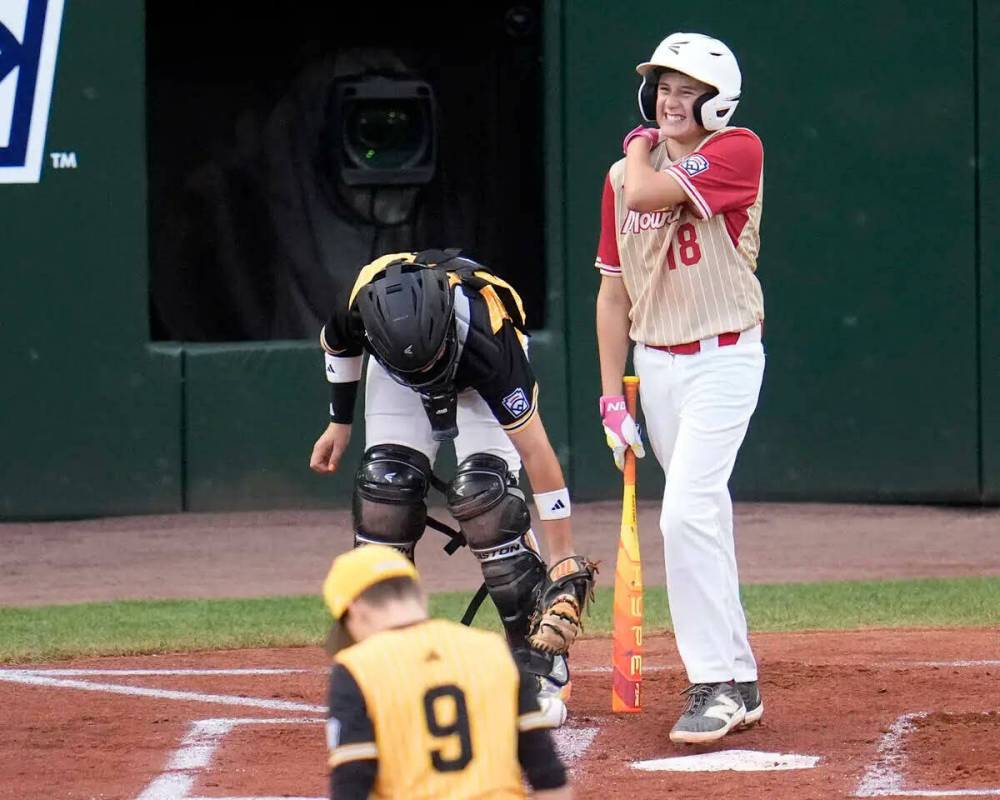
{"type": "Point", "coordinates": [557, 620]}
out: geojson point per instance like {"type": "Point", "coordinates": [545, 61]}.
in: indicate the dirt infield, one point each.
{"type": "Point", "coordinates": [879, 713]}
{"type": "Point", "coordinates": [864, 714]}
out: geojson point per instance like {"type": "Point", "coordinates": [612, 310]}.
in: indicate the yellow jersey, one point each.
{"type": "Point", "coordinates": [438, 706]}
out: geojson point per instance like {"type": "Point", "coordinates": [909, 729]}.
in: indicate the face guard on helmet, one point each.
{"type": "Point", "coordinates": [702, 58]}
{"type": "Point", "coordinates": [408, 313]}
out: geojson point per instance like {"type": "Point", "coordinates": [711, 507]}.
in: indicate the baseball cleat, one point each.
{"type": "Point", "coordinates": [750, 692]}
{"type": "Point", "coordinates": [712, 711]}
{"type": "Point", "coordinates": [557, 683]}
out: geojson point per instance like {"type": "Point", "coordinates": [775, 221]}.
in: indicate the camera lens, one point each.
{"type": "Point", "coordinates": [384, 131]}
{"type": "Point", "coordinates": [386, 135]}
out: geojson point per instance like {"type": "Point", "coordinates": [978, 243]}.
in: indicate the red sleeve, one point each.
{"type": "Point", "coordinates": [608, 261]}
{"type": "Point", "coordinates": [724, 175]}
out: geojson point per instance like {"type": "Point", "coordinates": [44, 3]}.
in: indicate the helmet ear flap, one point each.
{"type": "Point", "coordinates": [647, 95]}
{"type": "Point", "coordinates": [699, 103]}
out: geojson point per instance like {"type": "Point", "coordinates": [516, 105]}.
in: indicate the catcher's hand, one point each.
{"type": "Point", "coordinates": [620, 430]}
{"type": "Point", "coordinates": [557, 621]}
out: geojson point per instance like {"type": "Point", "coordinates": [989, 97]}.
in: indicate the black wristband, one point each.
{"type": "Point", "coordinates": [342, 397]}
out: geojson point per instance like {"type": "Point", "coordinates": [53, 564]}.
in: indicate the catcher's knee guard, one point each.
{"type": "Point", "coordinates": [497, 526]}
{"type": "Point", "coordinates": [389, 491]}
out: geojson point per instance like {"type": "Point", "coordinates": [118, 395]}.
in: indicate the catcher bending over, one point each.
{"type": "Point", "coordinates": [448, 351]}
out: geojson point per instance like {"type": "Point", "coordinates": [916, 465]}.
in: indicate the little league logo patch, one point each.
{"type": "Point", "coordinates": [694, 164]}
{"type": "Point", "coordinates": [29, 39]}
{"type": "Point", "coordinates": [516, 402]}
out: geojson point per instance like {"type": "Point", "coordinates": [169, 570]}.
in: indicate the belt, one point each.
{"type": "Point", "coordinates": [712, 342]}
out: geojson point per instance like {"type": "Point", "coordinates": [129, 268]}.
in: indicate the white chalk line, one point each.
{"type": "Point", "coordinates": [39, 679]}
{"type": "Point", "coordinates": [203, 739]}
{"type": "Point", "coordinates": [884, 778]}
{"type": "Point", "coordinates": [195, 756]}
{"type": "Point", "coordinates": [146, 672]}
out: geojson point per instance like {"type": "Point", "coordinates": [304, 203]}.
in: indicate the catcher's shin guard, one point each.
{"type": "Point", "coordinates": [389, 490]}
{"type": "Point", "coordinates": [497, 525]}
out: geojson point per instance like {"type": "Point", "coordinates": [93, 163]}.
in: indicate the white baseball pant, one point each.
{"type": "Point", "coordinates": [697, 409]}
{"type": "Point", "coordinates": [395, 415]}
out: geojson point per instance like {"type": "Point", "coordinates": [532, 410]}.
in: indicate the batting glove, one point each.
{"type": "Point", "coordinates": [620, 429]}
{"type": "Point", "coordinates": [651, 135]}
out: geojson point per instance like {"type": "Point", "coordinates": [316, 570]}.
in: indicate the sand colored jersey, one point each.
{"type": "Point", "coordinates": [441, 707]}
{"type": "Point", "coordinates": [689, 269]}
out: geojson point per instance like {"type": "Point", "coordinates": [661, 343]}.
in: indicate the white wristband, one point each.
{"type": "Point", "coordinates": [553, 505]}
{"type": "Point", "coordinates": [343, 369]}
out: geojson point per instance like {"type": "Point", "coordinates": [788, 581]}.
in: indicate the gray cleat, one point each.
{"type": "Point", "coordinates": [712, 711]}
{"type": "Point", "coordinates": [750, 693]}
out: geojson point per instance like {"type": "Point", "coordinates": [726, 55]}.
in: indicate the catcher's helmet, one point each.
{"type": "Point", "coordinates": [703, 58]}
{"type": "Point", "coordinates": [408, 313]}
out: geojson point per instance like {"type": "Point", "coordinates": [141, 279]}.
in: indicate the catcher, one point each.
{"type": "Point", "coordinates": [448, 351]}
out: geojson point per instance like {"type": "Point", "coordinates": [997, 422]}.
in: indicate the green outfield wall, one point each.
{"type": "Point", "coordinates": [988, 123]}
{"type": "Point", "coordinates": [880, 265]}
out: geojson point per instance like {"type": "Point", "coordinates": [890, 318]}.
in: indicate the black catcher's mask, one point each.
{"type": "Point", "coordinates": [408, 313]}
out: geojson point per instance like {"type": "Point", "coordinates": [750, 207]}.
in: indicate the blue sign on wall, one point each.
{"type": "Point", "coordinates": [29, 40]}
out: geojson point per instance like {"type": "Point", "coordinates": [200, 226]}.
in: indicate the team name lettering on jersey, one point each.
{"type": "Point", "coordinates": [689, 270]}
{"type": "Point", "coordinates": [637, 221]}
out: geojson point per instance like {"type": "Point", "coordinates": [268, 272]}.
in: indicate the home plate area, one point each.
{"type": "Point", "coordinates": [737, 760]}
{"type": "Point", "coordinates": [848, 715]}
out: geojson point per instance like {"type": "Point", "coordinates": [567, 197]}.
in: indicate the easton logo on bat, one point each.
{"type": "Point", "coordinates": [29, 39]}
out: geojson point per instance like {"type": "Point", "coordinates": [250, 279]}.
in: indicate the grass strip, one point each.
{"type": "Point", "coordinates": [53, 633]}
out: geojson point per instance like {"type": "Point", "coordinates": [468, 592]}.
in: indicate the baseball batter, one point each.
{"type": "Point", "coordinates": [448, 361]}
{"type": "Point", "coordinates": [677, 256]}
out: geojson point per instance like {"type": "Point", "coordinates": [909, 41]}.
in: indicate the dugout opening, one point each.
{"type": "Point", "coordinates": [253, 233]}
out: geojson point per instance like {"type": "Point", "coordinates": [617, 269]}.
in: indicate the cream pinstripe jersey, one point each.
{"type": "Point", "coordinates": [689, 270]}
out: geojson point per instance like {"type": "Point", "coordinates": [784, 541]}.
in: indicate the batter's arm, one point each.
{"type": "Point", "coordinates": [545, 474]}
{"type": "Point", "coordinates": [613, 306]}
{"type": "Point", "coordinates": [645, 188]}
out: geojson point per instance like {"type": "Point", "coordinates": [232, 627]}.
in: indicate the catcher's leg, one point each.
{"type": "Point", "coordinates": [497, 525]}
{"type": "Point", "coordinates": [495, 520]}
{"type": "Point", "coordinates": [389, 491]}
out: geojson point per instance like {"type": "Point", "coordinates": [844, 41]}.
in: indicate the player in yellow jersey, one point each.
{"type": "Point", "coordinates": [423, 708]}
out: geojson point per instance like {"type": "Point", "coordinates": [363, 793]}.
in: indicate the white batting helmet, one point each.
{"type": "Point", "coordinates": [703, 58]}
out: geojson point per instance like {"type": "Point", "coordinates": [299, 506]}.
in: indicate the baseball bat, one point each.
{"type": "Point", "coordinates": [626, 658]}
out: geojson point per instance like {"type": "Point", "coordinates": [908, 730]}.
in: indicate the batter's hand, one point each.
{"type": "Point", "coordinates": [620, 429]}
{"type": "Point", "coordinates": [651, 135]}
{"type": "Point", "coordinates": [329, 447]}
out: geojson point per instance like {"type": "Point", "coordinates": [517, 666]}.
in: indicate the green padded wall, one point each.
{"type": "Point", "coordinates": [989, 222]}
{"type": "Point", "coordinates": [868, 255]}
{"type": "Point", "coordinates": [883, 379]}
{"type": "Point", "coordinates": [90, 415]}
{"type": "Point", "coordinates": [253, 412]}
